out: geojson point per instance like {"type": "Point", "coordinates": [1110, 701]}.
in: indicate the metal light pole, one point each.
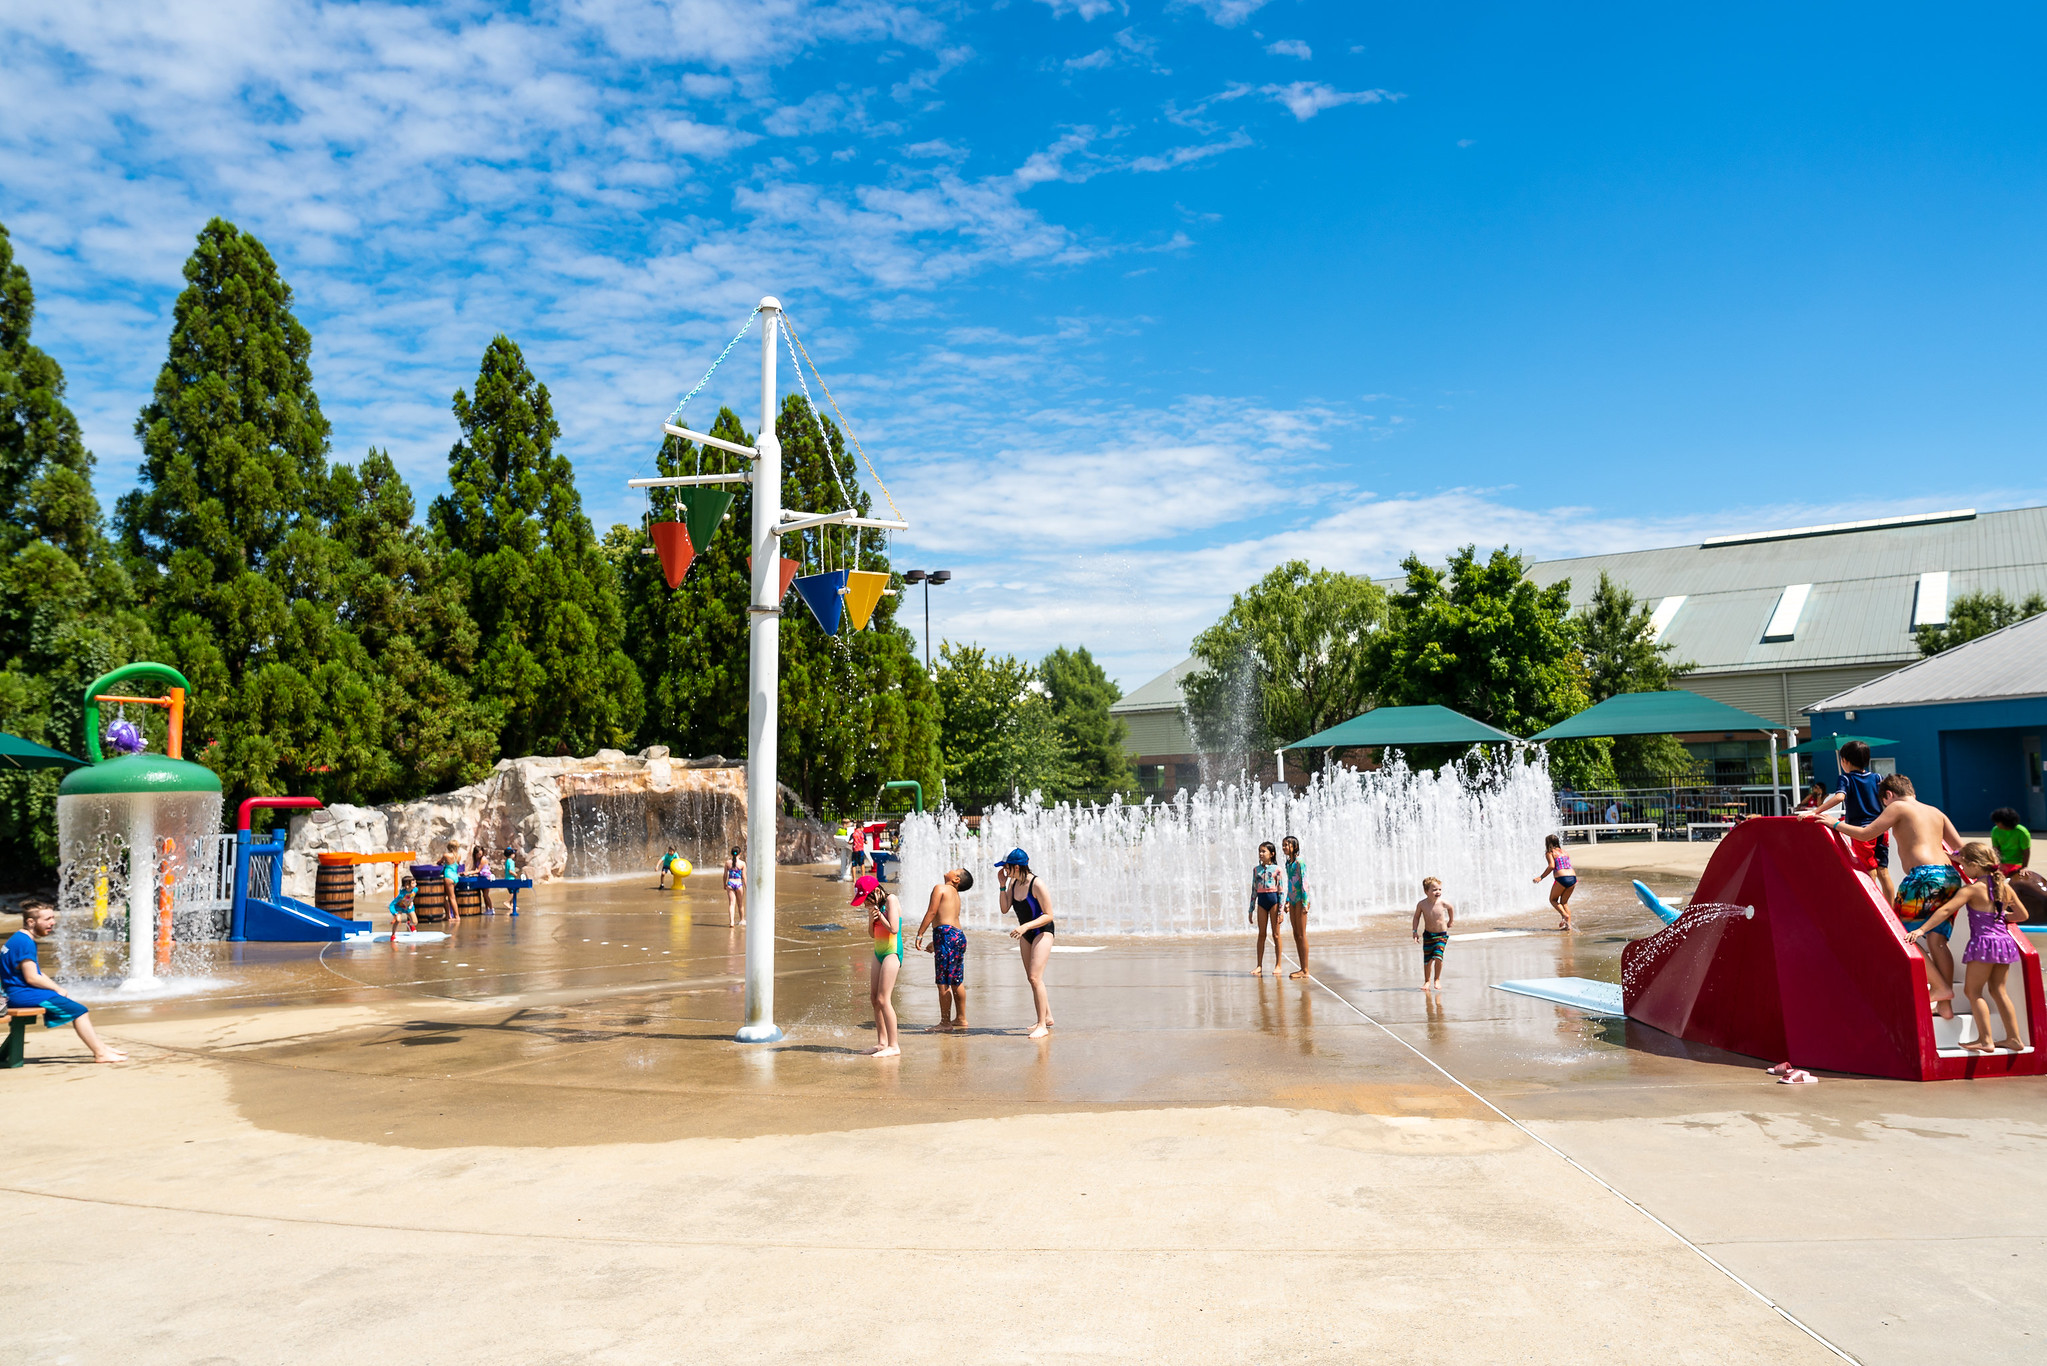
{"type": "Point", "coordinates": [763, 682]}
{"type": "Point", "coordinates": [927, 577]}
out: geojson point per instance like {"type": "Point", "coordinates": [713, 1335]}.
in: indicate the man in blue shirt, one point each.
{"type": "Point", "coordinates": [1860, 804]}
{"type": "Point", "coordinates": [27, 985]}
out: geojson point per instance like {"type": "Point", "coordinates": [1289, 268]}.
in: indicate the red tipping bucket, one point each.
{"type": "Point", "coordinates": [672, 544]}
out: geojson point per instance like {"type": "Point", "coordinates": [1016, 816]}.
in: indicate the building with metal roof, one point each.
{"type": "Point", "coordinates": [1772, 621]}
{"type": "Point", "coordinates": [1967, 723]}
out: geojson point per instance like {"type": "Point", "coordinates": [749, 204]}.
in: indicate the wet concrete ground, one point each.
{"type": "Point", "coordinates": [1197, 1161]}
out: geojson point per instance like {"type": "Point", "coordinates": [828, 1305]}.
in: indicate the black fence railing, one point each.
{"type": "Point", "coordinates": [1670, 809]}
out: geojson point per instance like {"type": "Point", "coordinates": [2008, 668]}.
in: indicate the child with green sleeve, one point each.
{"type": "Point", "coordinates": [2014, 842]}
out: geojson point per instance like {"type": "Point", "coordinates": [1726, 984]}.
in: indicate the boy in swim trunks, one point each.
{"type": "Point", "coordinates": [1433, 918]}
{"type": "Point", "coordinates": [1925, 835]}
{"type": "Point", "coordinates": [949, 947]}
{"type": "Point", "coordinates": [1857, 798]}
{"type": "Point", "coordinates": [26, 986]}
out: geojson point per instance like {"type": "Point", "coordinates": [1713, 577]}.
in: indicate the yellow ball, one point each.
{"type": "Point", "coordinates": [683, 868]}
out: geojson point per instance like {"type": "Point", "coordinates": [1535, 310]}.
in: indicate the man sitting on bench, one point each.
{"type": "Point", "coordinates": [28, 987]}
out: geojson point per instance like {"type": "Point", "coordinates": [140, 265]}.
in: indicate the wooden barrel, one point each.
{"type": "Point", "coordinates": [468, 900]}
{"type": "Point", "coordinates": [431, 899]}
{"type": "Point", "coordinates": [334, 890]}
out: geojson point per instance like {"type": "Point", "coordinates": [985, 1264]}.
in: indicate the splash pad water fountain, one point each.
{"type": "Point", "coordinates": [137, 832]}
{"type": "Point", "coordinates": [1184, 866]}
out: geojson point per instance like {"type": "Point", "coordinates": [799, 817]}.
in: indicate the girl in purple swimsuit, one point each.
{"type": "Point", "coordinates": [1557, 864]}
{"type": "Point", "coordinates": [1993, 908]}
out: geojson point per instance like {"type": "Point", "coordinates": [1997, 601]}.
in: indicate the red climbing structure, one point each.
{"type": "Point", "coordinates": [1821, 975]}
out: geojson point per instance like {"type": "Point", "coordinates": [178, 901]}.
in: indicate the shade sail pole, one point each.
{"type": "Point", "coordinates": [763, 674]}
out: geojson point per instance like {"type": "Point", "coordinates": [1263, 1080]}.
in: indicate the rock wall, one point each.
{"type": "Point", "coordinates": [520, 805]}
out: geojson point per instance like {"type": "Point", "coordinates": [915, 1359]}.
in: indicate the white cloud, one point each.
{"type": "Point", "coordinates": [1290, 47]}
{"type": "Point", "coordinates": [1227, 13]}
{"type": "Point", "coordinates": [1305, 99]}
{"type": "Point", "coordinates": [1088, 10]}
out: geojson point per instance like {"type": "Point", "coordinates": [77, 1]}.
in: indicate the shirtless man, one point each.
{"type": "Point", "coordinates": [1924, 837]}
{"type": "Point", "coordinates": [949, 945]}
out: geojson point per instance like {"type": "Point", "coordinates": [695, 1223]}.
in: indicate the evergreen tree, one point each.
{"type": "Point", "coordinates": [1622, 654]}
{"type": "Point", "coordinates": [1485, 641]}
{"type": "Point", "coordinates": [236, 571]}
{"type": "Point", "coordinates": [408, 614]}
{"type": "Point", "coordinates": [537, 583]}
{"type": "Point", "coordinates": [855, 709]}
{"type": "Point", "coordinates": [1081, 694]}
{"type": "Point", "coordinates": [66, 606]}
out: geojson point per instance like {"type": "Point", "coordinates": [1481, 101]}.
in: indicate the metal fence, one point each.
{"type": "Point", "coordinates": [1669, 809]}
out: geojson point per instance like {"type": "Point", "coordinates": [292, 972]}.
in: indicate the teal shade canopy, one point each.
{"type": "Point", "coordinates": [1430, 725]}
{"type": "Point", "coordinates": [1827, 744]}
{"type": "Point", "coordinates": [1655, 713]}
{"type": "Point", "coordinates": [16, 752]}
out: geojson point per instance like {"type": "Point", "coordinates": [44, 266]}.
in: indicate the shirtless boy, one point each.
{"type": "Point", "coordinates": [1433, 918]}
{"type": "Point", "coordinates": [1924, 837]}
{"type": "Point", "coordinates": [949, 946]}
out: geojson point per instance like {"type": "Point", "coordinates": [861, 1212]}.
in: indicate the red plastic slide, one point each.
{"type": "Point", "coordinates": [1820, 975]}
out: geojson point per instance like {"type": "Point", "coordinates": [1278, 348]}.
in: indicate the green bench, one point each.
{"type": "Point", "coordinates": [18, 1021]}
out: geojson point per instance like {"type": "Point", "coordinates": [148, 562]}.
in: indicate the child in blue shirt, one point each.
{"type": "Point", "coordinates": [402, 909]}
{"type": "Point", "coordinates": [27, 985]}
{"type": "Point", "coordinates": [1857, 797]}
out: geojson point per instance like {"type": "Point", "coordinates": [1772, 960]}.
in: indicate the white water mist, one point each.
{"type": "Point", "coordinates": [1184, 866]}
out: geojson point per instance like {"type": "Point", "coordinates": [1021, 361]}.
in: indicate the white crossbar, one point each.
{"type": "Point", "coordinates": [686, 434]}
{"type": "Point", "coordinates": [676, 481]}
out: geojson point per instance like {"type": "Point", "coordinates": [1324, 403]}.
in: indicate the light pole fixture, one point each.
{"type": "Point", "coordinates": [927, 577]}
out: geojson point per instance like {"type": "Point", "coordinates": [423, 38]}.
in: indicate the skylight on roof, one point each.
{"type": "Point", "coordinates": [1835, 528]}
{"type": "Point", "coordinates": [1659, 620]}
{"type": "Point", "coordinates": [1784, 621]}
{"type": "Point", "coordinates": [1929, 599]}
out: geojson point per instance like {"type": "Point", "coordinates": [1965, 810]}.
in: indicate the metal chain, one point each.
{"type": "Point", "coordinates": [844, 425]}
{"type": "Point", "coordinates": [824, 439]}
{"type": "Point", "coordinates": [744, 329]}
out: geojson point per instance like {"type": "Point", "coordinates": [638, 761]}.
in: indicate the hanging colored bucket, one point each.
{"type": "Point", "coordinates": [703, 507]}
{"type": "Point", "coordinates": [789, 568]}
{"type": "Point", "coordinates": [673, 544]}
{"type": "Point", "coordinates": [864, 588]}
{"type": "Point", "coordinates": [824, 595]}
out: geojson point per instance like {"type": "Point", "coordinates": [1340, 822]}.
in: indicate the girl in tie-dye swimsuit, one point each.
{"type": "Point", "coordinates": [885, 924]}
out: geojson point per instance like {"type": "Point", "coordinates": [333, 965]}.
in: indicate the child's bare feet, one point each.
{"type": "Point", "coordinates": [109, 1055]}
{"type": "Point", "coordinates": [886, 1052]}
{"type": "Point", "coordinates": [1297, 976]}
{"type": "Point", "coordinates": [1944, 1007]}
{"type": "Point", "coordinates": [1040, 1032]}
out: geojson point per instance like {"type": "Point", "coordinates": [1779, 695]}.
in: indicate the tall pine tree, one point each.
{"type": "Point", "coordinates": [538, 584]}
{"type": "Point", "coordinates": [235, 567]}
{"type": "Point", "coordinates": [66, 605]}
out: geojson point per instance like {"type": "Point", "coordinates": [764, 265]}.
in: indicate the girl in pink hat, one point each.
{"type": "Point", "coordinates": [885, 924]}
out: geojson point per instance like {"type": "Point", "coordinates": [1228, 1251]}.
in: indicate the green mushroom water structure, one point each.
{"type": "Point", "coordinates": [138, 834]}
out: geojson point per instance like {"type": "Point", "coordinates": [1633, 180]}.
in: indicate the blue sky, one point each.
{"type": "Point", "coordinates": [1130, 301]}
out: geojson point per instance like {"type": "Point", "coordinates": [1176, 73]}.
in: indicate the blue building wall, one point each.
{"type": "Point", "coordinates": [1967, 758]}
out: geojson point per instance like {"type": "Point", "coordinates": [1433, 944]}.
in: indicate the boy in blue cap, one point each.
{"type": "Point", "coordinates": [28, 986]}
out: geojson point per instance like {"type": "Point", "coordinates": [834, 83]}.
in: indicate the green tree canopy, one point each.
{"type": "Point", "coordinates": [408, 613]}
{"type": "Point", "coordinates": [1622, 654]}
{"type": "Point", "coordinates": [67, 610]}
{"type": "Point", "coordinates": [238, 575]}
{"type": "Point", "coordinates": [545, 599]}
{"type": "Point", "coordinates": [1289, 658]}
{"type": "Point", "coordinates": [1977, 614]}
{"type": "Point", "coordinates": [1484, 640]}
{"type": "Point", "coordinates": [1001, 734]}
{"type": "Point", "coordinates": [1092, 740]}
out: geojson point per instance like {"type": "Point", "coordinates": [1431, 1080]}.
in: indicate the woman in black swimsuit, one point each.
{"type": "Point", "coordinates": [1024, 894]}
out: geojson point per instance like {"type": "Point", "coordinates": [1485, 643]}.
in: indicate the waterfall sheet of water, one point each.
{"type": "Point", "coordinates": [1184, 866]}
{"type": "Point", "coordinates": [169, 841]}
{"type": "Point", "coordinates": [614, 834]}
{"type": "Point", "coordinates": [1637, 971]}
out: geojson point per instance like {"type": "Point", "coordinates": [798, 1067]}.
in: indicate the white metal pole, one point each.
{"type": "Point", "coordinates": [763, 681]}
{"type": "Point", "coordinates": [1776, 782]}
